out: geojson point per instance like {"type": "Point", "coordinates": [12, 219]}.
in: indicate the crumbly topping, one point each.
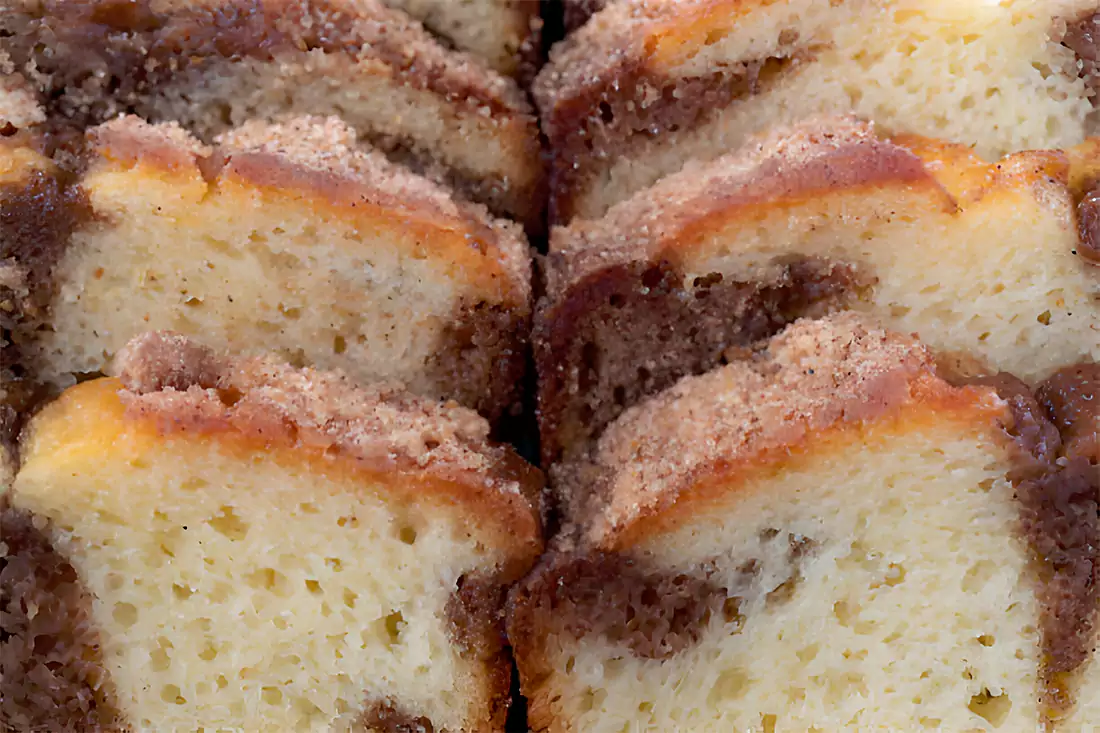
{"type": "Point", "coordinates": [817, 156]}
{"type": "Point", "coordinates": [815, 374]}
{"type": "Point", "coordinates": [183, 386]}
{"type": "Point", "coordinates": [19, 107]}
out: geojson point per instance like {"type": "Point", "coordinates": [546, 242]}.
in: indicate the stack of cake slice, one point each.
{"type": "Point", "coordinates": [648, 85]}
{"type": "Point", "coordinates": [215, 64]}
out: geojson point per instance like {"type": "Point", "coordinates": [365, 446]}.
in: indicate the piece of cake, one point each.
{"type": "Point", "coordinates": [827, 537]}
{"type": "Point", "coordinates": [215, 64]}
{"type": "Point", "coordinates": [285, 239]}
{"type": "Point", "coordinates": [984, 261]}
{"type": "Point", "coordinates": [647, 85]}
{"type": "Point", "coordinates": [237, 544]}
{"type": "Point", "coordinates": [505, 34]}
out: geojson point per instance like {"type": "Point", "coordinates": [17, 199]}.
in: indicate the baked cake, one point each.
{"type": "Point", "coordinates": [214, 544]}
{"type": "Point", "coordinates": [830, 536]}
{"type": "Point", "coordinates": [214, 64]}
{"type": "Point", "coordinates": [647, 85]}
{"type": "Point", "coordinates": [503, 33]}
{"type": "Point", "coordinates": [284, 238]}
{"type": "Point", "coordinates": [983, 261]}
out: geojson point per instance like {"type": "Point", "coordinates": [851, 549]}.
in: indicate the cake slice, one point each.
{"type": "Point", "coordinates": [827, 537]}
{"type": "Point", "coordinates": [215, 64]}
{"type": "Point", "coordinates": [647, 85]}
{"type": "Point", "coordinates": [505, 34]}
{"type": "Point", "coordinates": [238, 544]}
{"type": "Point", "coordinates": [997, 265]}
{"type": "Point", "coordinates": [288, 239]}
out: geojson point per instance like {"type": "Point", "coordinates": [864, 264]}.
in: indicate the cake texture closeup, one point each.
{"type": "Point", "coordinates": [832, 535]}
{"type": "Point", "coordinates": [282, 238]}
{"type": "Point", "coordinates": [211, 543]}
{"type": "Point", "coordinates": [996, 265]}
{"type": "Point", "coordinates": [214, 64]}
{"type": "Point", "coordinates": [647, 85]}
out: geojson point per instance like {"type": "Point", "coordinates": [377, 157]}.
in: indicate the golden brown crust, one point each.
{"type": "Point", "coordinates": [786, 167]}
{"type": "Point", "coordinates": [172, 385]}
{"type": "Point", "coordinates": [664, 454]}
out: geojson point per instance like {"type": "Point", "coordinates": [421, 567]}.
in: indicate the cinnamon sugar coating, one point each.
{"type": "Point", "coordinates": [810, 159]}
{"type": "Point", "coordinates": [181, 386]}
{"type": "Point", "coordinates": [813, 376]}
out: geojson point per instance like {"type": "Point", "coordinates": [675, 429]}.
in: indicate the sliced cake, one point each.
{"type": "Point", "coordinates": [240, 545]}
{"type": "Point", "coordinates": [503, 33]}
{"type": "Point", "coordinates": [995, 265]}
{"type": "Point", "coordinates": [284, 238]}
{"type": "Point", "coordinates": [647, 85]}
{"type": "Point", "coordinates": [215, 64]}
{"type": "Point", "coordinates": [829, 537]}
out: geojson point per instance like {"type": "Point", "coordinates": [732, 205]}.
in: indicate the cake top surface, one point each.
{"type": "Point", "coordinates": [323, 156]}
{"type": "Point", "coordinates": [815, 375]}
{"type": "Point", "coordinates": [806, 161]}
{"type": "Point", "coordinates": [180, 387]}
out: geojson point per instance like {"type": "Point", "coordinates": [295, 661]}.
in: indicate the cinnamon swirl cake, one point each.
{"type": "Point", "coordinates": [237, 544]}
{"type": "Point", "coordinates": [830, 536]}
{"type": "Point", "coordinates": [647, 85]}
{"type": "Point", "coordinates": [283, 238]}
{"type": "Point", "coordinates": [214, 64]}
{"type": "Point", "coordinates": [997, 265]}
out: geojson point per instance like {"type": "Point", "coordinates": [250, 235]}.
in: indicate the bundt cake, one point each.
{"type": "Point", "coordinates": [216, 544]}
{"type": "Point", "coordinates": [984, 261]}
{"type": "Point", "coordinates": [214, 64]}
{"type": "Point", "coordinates": [647, 85]}
{"type": "Point", "coordinates": [282, 238]}
{"type": "Point", "coordinates": [830, 536]}
{"type": "Point", "coordinates": [503, 33]}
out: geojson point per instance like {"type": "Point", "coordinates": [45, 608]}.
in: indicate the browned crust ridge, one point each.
{"type": "Point", "coordinates": [178, 385]}
{"type": "Point", "coordinates": [106, 58]}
